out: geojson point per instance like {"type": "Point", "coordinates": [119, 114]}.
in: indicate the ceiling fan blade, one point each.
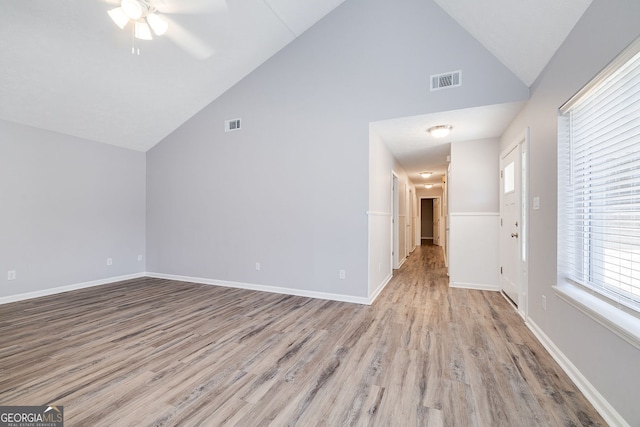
{"type": "Point", "coordinates": [191, 6]}
{"type": "Point", "coordinates": [195, 46]}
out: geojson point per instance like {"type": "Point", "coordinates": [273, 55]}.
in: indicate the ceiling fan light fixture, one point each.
{"type": "Point", "coordinates": [142, 31]}
{"type": "Point", "coordinates": [119, 17]}
{"type": "Point", "coordinates": [440, 131]}
{"type": "Point", "coordinates": [157, 24]}
{"type": "Point", "coordinates": [132, 8]}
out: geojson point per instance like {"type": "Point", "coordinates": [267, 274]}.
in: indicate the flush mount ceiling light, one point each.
{"type": "Point", "coordinates": [428, 186]}
{"type": "Point", "coordinates": [439, 131]}
{"type": "Point", "coordinates": [143, 14]}
{"type": "Point", "coordinates": [426, 174]}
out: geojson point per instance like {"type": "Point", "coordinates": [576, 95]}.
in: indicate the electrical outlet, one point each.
{"type": "Point", "coordinates": [109, 261]}
{"type": "Point", "coordinates": [343, 274]}
{"type": "Point", "coordinates": [257, 266]}
{"type": "Point", "coordinates": [544, 303]}
{"type": "Point", "coordinates": [139, 257]}
{"type": "Point", "coordinates": [11, 275]}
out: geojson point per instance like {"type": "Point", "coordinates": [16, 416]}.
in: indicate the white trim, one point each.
{"type": "Point", "coordinates": [401, 263]}
{"type": "Point", "coordinates": [377, 292]}
{"type": "Point", "coordinates": [474, 214]}
{"type": "Point", "coordinates": [621, 323]}
{"type": "Point", "coordinates": [474, 286]}
{"type": "Point", "coordinates": [376, 213]}
{"type": "Point", "coordinates": [604, 408]}
{"type": "Point", "coordinates": [67, 288]}
{"type": "Point", "coordinates": [263, 288]}
{"type": "Point", "coordinates": [522, 145]}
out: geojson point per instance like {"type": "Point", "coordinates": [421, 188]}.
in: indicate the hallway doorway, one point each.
{"type": "Point", "coordinates": [430, 220]}
{"type": "Point", "coordinates": [426, 221]}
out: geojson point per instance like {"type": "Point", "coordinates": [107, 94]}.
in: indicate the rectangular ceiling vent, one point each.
{"type": "Point", "coordinates": [446, 80]}
{"type": "Point", "coordinates": [232, 125]}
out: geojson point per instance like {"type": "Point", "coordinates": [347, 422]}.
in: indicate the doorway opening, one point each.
{"type": "Point", "coordinates": [431, 221]}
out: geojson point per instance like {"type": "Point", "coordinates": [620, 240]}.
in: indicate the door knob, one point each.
{"type": "Point", "coordinates": [514, 235]}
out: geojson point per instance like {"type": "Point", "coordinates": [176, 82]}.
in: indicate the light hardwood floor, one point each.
{"type": "Point", "coordinates": [156, 352]}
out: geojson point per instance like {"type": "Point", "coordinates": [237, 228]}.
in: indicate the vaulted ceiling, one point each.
{"type": "Point", "coordinates": [66, 67]}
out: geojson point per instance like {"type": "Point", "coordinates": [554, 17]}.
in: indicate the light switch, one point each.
{"type": "Point", "coordinates": [536, 203]}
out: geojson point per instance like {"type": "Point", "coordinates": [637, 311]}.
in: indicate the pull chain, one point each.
{"type": "Point", "coordinates": [133, 40]}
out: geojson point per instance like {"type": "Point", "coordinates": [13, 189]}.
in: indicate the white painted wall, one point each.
{"type": "Point", "coordinates": [302, 158]}
{"type": "Point", "coordinates": [474, 183]}
{"type": "Point", "coordinates": [380, 213]}
{"type": "Point", "coordinates": [382, 166]}
{"type": "Point", "coordinates": [67, 205]}
{"type": "Point", "coordinates": [608, 363]}
{"type": "Point", "coordinates": [475, 171]}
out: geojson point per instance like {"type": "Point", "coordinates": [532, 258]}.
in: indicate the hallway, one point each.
{"type": "Point", "coordinates": [158, 352]}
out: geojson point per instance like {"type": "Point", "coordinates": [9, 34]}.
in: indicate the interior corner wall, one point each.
{"type": "Point", "coordinates": [608, 362]}
{"type": "Point", "coordinates": [474, 207]}
{"type": "Point", "coordinates": [290, 190]}
{"type": "Point", "coordinates": [380, 213]}
{"type": "Point", "coordinates": [68, 204]}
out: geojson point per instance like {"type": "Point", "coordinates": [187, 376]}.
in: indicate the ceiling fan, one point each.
{"type": "Point", "coordinates": [145, 17]}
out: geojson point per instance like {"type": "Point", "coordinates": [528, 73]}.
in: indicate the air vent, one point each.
{"type": "Point", "coordinates": [446, 80]}
{"type": "Point", "coordinates": [232, 125]}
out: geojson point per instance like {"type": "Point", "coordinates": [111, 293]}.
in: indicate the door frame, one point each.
{"type": "Point", "coordinates": [521, 143]}
{"type": "Point", "coordinates": [440, 231]}
{"type": "Point", "coordinates": [395, 211]}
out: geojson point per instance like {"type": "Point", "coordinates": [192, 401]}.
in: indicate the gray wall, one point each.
{"type": "Point", "coordinates": [67, 205]}
{"type": "Point", "coordinates": [301, 159]}
{"type": "Point", "coordinates": [609, 363]}
{"type": "Point", "coordinates": [426, 218]}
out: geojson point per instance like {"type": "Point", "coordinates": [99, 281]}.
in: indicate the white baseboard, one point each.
{"type": "Point", "coordinates": [401, 263]}
{"type": "Point", "coordinates": [58, 290]}
{"type": "Point", "coordinates": [610, 415]}
{"type": "Point", "coordinates": [383, 285]}
{"type": "Point", "coordinates": [474, 286]}
{"type": "Point", "coordinates": [263, 288]}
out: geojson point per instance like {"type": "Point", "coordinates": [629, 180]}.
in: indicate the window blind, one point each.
{"type": "Point", "coordinates": [599, 183]}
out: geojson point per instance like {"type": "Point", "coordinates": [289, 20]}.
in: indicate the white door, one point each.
{"type": "Point", "coordinates": [510, 224]}
{"type": "Point", "coordinates": [394, 222]}
{"type": "Point", "coordinates": [436, 222]}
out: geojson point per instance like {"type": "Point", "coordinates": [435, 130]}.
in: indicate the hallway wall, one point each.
{"type": "Point", "coordinates": [474, 182]}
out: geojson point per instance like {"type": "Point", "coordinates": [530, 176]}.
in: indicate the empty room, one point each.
{"type": "Point", "coordinates": [320, 212]}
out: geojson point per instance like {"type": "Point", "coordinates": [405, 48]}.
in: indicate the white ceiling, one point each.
{"type": "Point", "coordinates": [66, 67]}
{"type": "Point", "coordinates": [417, 151]}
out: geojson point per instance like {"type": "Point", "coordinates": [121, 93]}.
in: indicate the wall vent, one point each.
{"type": "Point", "coordinates": [446, 80]}
{"type": "Point", "coordinates": [232, 125]}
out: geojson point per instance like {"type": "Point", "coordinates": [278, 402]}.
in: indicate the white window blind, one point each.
{"type": "Point", "coordinates": [599, 183]}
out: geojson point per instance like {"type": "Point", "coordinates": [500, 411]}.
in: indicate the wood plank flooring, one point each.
{"type": "Point", "coordinates": [156, 352]}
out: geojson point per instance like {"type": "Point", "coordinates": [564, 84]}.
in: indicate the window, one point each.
{"type": "Point", "coordinates": [509, 178]}
{"type": "Point", "coordinates": [599, 183]}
